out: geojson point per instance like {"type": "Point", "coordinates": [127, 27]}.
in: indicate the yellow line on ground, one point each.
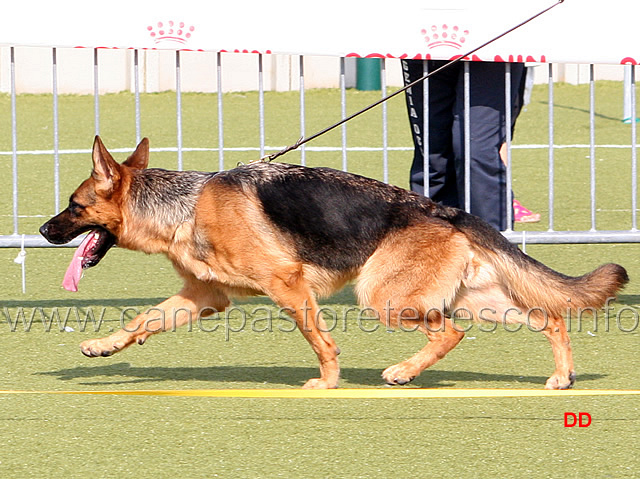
{"type": "Point", "coordinates": [390, 393]}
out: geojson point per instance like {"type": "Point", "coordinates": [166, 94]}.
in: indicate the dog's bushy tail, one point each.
{"type": "Point", "coordinates": [534, 285]}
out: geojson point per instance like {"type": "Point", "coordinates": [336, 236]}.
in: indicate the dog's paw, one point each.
{"type": "Point", "coordinates": [398, 374]}
{"type": "Point", "coordinates": [318, 383]}
{"type": "Point", "coordinates": [561, 381]}
{"type": "Point", "coordinates": [94, 348]}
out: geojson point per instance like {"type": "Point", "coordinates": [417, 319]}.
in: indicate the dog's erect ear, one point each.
{"type": "Point", "coordinates": [139, 159]}
{"type": "Point", "coordinates": [106, 170]}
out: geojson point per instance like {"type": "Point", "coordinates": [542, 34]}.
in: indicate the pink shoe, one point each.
{"type": "Point", "coordinates": [523, 215]}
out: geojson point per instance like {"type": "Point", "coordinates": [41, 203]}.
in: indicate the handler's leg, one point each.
{"type": "Point", "coordinates": [488, 133]}
{"type": "Point", "coordinates": [442, 94]}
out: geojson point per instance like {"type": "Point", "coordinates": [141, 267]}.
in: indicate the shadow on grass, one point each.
{"type": "Point", "coordinates": [346, 297]}
{"type": "Point", "coordinates": [629, 299]}
{"type": "Point", "coordinates": [124, 373]}
{"type": "Point", "coordinates": [581, 110]}
{"type": "Point", "coordinates": [81, 303]}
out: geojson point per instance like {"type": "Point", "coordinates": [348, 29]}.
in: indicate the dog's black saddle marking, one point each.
{"type": "Point", "coordinates": [337, 219]}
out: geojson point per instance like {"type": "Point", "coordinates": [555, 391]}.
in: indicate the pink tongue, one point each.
{"type": "Point", "coordinates": [74, 271]}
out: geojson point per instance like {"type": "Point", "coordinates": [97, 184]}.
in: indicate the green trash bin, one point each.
{"type": "Point", "coordinates": [368, 73]}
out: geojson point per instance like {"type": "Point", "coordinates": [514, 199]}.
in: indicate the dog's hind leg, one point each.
{"type": "Point", "coordinates": [564, 376]}
{"type": "Point", "coordinates": [196, 299]}
{"type": "Point", "coordinates": [443, 337]}
{"type": "Point", "coordinates": [411, 280]}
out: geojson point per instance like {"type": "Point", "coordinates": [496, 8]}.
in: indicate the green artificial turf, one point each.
{"type": "Point", "coordinates": [71, 436]}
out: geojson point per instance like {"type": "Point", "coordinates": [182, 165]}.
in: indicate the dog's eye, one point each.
{"type": "Point", "coordinates": [75, 208]}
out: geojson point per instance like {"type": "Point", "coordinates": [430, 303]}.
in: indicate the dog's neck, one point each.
{"type": "Point", "coordinates": [159, 202]}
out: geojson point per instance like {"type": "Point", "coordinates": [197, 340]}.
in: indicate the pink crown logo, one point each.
{"type": "Point", "coordinates": [444, 35]}
{"type": "Point", "coordinates": [170, 31]}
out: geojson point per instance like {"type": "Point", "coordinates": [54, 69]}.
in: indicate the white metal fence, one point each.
{"type": "Point", "coordinates": [18, 239]}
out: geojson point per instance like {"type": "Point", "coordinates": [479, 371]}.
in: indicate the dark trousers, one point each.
{"type": "Point", "coordinates": [446, 134]}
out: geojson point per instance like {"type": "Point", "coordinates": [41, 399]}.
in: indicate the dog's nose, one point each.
{"type": "Point", "coordinates": [44, 229]}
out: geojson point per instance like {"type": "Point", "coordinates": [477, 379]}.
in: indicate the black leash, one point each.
{"type": "Point", "coordinates": [304, 140]}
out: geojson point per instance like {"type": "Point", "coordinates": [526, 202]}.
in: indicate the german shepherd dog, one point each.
{"type": "Point", "coordinates": [295, 233]}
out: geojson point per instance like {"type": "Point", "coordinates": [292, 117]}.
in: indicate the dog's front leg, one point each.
{"type": "Point", "coordinates": [196, 299]}
{"type": "Point", "coordinates": [296, 299]}
{"type": "Point", "coordinates": [310, 322]}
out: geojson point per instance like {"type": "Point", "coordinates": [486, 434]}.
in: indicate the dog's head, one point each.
{"type": "Point", "coordinates": [96, 207]}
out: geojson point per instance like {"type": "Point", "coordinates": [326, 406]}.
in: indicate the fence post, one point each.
{"type": "Point", "coordinates": [14, 142]}
{"type": "Point", "coordinates": [179, 111]}
{"type": "Point", "coordinates": [56, 135]}
{"type": "Point", "coordinates": [96, 92]}
{"type": "Point", "coordinates": [627, 111]}
{"type": "Point", "coordinates": [303, 154]}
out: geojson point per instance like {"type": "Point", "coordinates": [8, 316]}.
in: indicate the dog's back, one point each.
{"type": "Point", "coordinates": [336, 219]}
